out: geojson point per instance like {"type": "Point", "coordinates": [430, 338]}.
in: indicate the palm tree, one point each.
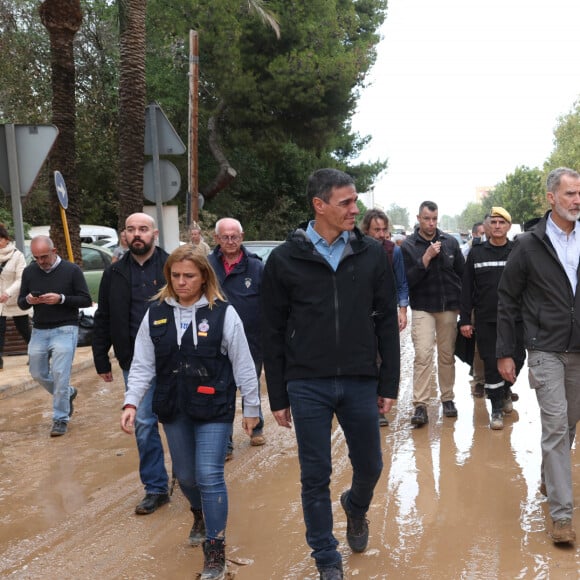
{"type": "Point", "coordinates": [131, 106]}
{"type": "Point", "coordinates": [62, 19]}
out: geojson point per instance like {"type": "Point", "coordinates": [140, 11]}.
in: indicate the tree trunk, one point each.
{"type": "Point", "coordinates": [131, 107]}
{"type": "Point", "coordinates": [62, 19]}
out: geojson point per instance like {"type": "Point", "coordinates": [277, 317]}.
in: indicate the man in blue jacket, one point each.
{"type": "Point", "coordinates": [329, 301]}
{"type": "Point", "coordinates": [240, 275]}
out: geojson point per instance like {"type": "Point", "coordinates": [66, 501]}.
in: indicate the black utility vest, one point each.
{"type": "Point", "coordinates": [197, 381]}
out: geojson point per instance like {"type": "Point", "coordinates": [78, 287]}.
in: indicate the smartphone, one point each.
{"type": "Point", "coordinates": [36, 293]}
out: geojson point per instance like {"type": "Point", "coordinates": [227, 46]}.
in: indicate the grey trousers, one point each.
{"type": "Point", "coordinates": [555, 376]}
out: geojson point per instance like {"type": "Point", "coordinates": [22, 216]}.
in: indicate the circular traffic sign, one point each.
{"type": "Point", "coordinates": [61, 189]}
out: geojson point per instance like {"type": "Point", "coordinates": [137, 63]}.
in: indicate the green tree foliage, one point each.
{"type": "Point", "coordinates": [399, 215]}
{"type": "Point", "coordinates": [519, 194]}
{"type": "Point", "coordinates": [566, 151]}
{"type": "Point", "coordinates": [282, 106]}
{"type": "Point", "coordinates": [473, 213]}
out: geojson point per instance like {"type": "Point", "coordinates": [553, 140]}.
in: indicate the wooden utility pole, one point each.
{"type": "Point", "coordinates": [193, 177]}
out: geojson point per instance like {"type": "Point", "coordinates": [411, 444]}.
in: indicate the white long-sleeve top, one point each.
{"type": "Point", "coordinates": [234, 344]}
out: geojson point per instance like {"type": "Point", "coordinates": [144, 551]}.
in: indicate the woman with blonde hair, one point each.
{"type": "Point", "coordinates": [193, 342]}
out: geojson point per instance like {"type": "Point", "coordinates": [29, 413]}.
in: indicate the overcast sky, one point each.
{"type": "Point", "coordinates": [465, 91]}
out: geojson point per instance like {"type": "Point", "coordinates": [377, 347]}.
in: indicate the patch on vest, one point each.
{"type": "Point", "coordinates": [160, 322]}
{"type": "Point", "coordinates": [247, 282]}
{"type": "Point", "coordinates": [202, 328]}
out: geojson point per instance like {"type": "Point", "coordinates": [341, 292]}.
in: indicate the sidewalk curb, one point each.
{"type": "Point", "coordinates": [22, 386]}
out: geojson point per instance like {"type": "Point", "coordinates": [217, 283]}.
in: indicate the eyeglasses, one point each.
{"type": "Point", "coordinates": [235, 238]}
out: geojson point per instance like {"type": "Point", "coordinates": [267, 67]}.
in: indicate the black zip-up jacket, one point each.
{"type": "Point", "coordinates": [113, 315]}
{"type": "Point", "coordinates": [483, 270]}
{"type": "Point", "coordinates": [535, 283]}
{"type": "Point", "coordinates": [321, 323]}
{"type": "Point", "coordinates": [436, 288]}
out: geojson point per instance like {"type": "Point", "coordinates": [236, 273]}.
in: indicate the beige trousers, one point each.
{"type": "Point", "coordinates": [432, 330]}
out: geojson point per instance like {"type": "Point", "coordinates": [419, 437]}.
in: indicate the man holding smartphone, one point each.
{"type": "Point", "coordinates": [56, 289]}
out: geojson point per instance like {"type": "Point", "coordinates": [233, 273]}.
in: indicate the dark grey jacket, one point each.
{"type": "Point", "coordinates": [534, 283]}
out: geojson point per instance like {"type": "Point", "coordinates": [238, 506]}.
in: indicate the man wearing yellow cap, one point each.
{"type": "Point", "coordinates": [483, 271]}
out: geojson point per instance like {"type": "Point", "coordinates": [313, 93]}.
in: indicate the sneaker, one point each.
{"type": "Point", "coordinates": [420, 417]}
{"type": "Point", "coordinates": [151, 502]}
{"type": "Point", "coordinates": [197, 534]}
{"type": "Point", "coordinates": [58, 428]}
{"type": "Point", "coordinates": [449, 409]}
{"type": "Point", "coordinates": [496, 422]}
{"type": "Point", "coordinates": [357, 527]}
{"type": "Point", "coordinates": [508, 406]}
{"type": "Point", "coordinates": [331, 572]}
{"type": "Point", "coordinates": [563, 532]}
{"type": "Point", "coordinates": [383, 421]}
{"type": "Point", "coordinates": [70, 401]}
{"type": "Point", "coordinates": [257, 440]}
{"type": "Point", "coordinates": [214, 567]}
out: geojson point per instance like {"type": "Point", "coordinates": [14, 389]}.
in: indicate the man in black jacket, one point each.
{"type": "Point", "coordinates": [434, 267]}
{"type": "Point", "coordinates": [539, 284]}
{"type": "Point", "coordinates": [328, 298]}
{"type": "Point", "coordinates": [483, 270]}
{"type": "Point", "coordinates": [124, 294]}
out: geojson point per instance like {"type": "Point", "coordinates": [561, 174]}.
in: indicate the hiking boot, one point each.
{"type": "Point", "coordinates": [563, 532]}
{"type": "Point", "coordinates": [257, 440]}
{"type": "Point", "coordinates": [508, 406]}
{"type": "Point", "coordinates": [151, 502]}
{"type": "Point", "coordinates": [496, 422]}
{"type": "Point", "coordinates": [214, 567]}
{"type": "Point", "coordinates": [331, 572]}
{"type": "Point", "coordinates": [478, 391]}
{"type": "Point", "coordinates": [197, 534]}
{"type": "Point", "coordinates": [449, 409]}
{"type": "Point", "coordinates": [357, 527]}
{"type": "Point", "coordinates": [70, 401]}
{"type": "Point", "coordinates": [420, 417]}
{"type": "Point", "coordinates": [383, 421]}
{"type": "Point", "coordinates": [58, 428]}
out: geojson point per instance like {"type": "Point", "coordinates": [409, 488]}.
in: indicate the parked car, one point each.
{"type": "Point", "coordinates": [95, 260]}
{"type": "Point", "coordinates": [261, 248]}
{"type": "Point", "coordinates": [89, 234]}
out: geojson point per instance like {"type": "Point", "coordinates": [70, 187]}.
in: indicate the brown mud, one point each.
{"type": "Point", "coordinates": [455, 500]}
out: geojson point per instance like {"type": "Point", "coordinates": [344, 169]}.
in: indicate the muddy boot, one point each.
{"type": "Point", "coordinates": [508, 405]}
{"type": "Point", "coordinates": [214, 567]}
{"type": "Point", "coordinates": [496, 396]}
{"type": "Point", "coordinates": [197, 534]}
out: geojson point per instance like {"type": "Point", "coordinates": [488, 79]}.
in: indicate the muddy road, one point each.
{"type": "Point", "coordinates": [455, 500]}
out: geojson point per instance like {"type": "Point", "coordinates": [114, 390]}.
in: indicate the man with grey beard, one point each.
{"type": "Point", "coordinates": [124, 294]}
{"type": "Point", "coordinates": [539, 283]}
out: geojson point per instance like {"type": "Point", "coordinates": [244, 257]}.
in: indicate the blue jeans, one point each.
{"type": "Point", "coordinates": [198, 454]}
{"type": "Point", "coordinates": [151, 456]}
{"type": "Point", "coordinates": [313, 404]}
{"type": "Point", "coordinates": [51, 352]}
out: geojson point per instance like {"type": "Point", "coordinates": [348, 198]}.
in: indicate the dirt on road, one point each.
{"type": "Point", "coordinates": [455, 499]}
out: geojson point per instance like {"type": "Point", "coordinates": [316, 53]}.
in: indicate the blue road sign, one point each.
{"type": "Point", "coordinates": [61, 189]}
